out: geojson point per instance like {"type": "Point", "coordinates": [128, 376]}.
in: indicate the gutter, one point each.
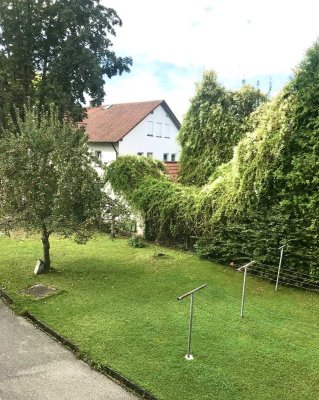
{"type": "Point", "coordinates": [116, 152]}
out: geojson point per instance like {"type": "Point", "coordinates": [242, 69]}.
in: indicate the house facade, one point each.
{"type": "Point", "coordinates": [142, 128]}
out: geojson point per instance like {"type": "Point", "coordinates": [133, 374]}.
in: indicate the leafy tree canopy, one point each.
{"type": "Point", "coordinates": [47, 181]}
{"type": "Point", "coordinates": [266, 195]}
{"type": "Point", "coordinates": [128, 172]}
{"type": "Point", "coordinates": [216, 121]}
{"type": "Point", "coordinates": [56, 51]}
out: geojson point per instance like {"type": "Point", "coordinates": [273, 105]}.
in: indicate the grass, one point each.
{"type": "Point", "coordinates": [119, 305]}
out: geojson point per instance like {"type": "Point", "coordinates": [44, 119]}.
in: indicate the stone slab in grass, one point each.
{"type": "Point", "coordinates": [40, 291]}
{"type": "Point", "coordinates": [39, 267]}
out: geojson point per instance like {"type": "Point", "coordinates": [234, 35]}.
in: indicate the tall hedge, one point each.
{"type": "Point", "coordinates": [266, 195]}
{"type": "Point", "coordinates": [215, 122]}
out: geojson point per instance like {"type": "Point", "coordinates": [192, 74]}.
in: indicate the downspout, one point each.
{"type": "Point", "coordinates": [116, 152]}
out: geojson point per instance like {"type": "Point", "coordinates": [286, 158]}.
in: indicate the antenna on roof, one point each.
{"type": "Point", "coordinates": [270, 86]}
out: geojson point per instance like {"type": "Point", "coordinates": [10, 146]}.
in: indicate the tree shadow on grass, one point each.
{"type": "Point", "coordinates": [93, 268]}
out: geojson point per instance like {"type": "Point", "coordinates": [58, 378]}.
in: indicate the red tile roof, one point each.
{"type": "Point", "coordinates": [112, 123]}
{"type": "Point", "coordinates": [172, 169]}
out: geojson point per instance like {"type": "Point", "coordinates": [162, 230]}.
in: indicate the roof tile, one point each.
{"type": "Point", "coordinates": [112, 123]}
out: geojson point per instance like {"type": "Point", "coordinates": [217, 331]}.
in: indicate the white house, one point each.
{"type": "Point", "coordinates": [143, 128]}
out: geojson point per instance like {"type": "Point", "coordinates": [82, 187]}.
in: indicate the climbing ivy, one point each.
{"type": "Point", "coordinates": [266, 195]}
{"type": "Point", "coordinates": [129, 171]}
{"type": "Point", "coordinates": [216, 121]}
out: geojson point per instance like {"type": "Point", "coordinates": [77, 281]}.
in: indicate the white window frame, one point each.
{"type": "Point", "coordinates": [150, 128]}
{"type": "Point", "coordinates": [167, 131]}
{"type": "Point", "coordinates": [165, 155]}
{"type": "Point", "coordinates": [173, 155]}
{"type": "Point", "coordinates": [159, 132]}
{"type": "Point", "coordinates": [149, 154]}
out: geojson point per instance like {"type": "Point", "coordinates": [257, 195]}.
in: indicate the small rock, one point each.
{"type": "Point", "coordinates": [232, 264]}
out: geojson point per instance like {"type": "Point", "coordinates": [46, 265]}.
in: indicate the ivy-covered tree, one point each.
{"type": "Point", "coordinates": [47, 180]}
{"type": "Point", "coordinates": [265, 196]}
{"type": "Point", "coordinates": [216, 121]}
{"type": "Point", "coordinates": [56, 51]}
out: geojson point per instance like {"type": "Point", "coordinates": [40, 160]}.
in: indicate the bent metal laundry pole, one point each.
{"type": "Point", "coordinates": [281, 248]}
{"type": "Point", "coordinates": [191, 294]}
{"type": "Point", "coordinates": [244, 267]}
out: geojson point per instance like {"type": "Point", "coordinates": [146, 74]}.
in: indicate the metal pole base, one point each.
{"type": "Point", "coordinates": [189, 357]}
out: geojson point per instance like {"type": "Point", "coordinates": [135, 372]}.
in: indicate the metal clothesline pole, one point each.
{"type": "Point", "coordinates": [281, 248]}
{"type": "Point", "coordinates": [244, 267]}
{"type": "Point", "coordinates": [191, 294]}
{"type": "Point", "coordinates": [243, 295]}
{"type": "Point", "coordinates": [189, 356]}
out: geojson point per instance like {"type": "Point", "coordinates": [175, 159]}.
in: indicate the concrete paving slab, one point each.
{"type": "Point", "coordinates": [33, 366]}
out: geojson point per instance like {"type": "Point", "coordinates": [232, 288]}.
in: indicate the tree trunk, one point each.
{"type": "Point", "coordinates": [46, 249]}
{"type": "Point", "coordinates": [112, 227]}
{"type": "Point", "coordinates": [43, 86]}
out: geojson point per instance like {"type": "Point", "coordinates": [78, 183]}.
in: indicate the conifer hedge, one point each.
{"type": "Point", "coordinates": [265, 196]}
{"type": "Point", "coordinates": [215, 122]}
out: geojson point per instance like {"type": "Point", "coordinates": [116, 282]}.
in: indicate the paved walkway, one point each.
{"type": "Point", "coordinates": [33, 366]}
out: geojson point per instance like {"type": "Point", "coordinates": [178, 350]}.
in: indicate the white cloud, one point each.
{"type": "Point", "coordinates": [239, 39]}
{"type": "Point", "coordinates": [145, 84]}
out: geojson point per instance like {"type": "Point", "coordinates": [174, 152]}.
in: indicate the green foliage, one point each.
{"type": "Point", "coordinates": [47, 181]}
{"type": "Point", "coordinates": [129, 171]}
{"type": "Point", "coordinates": [5, 91]}
{"type": "Point", "coordinates": [117, 217]}
{"type": "Point", "coordinates": [216, 121]}
{"type": "Point", "coordinates": [56, 52]}
{"type": "Point", "coordinates": [266, 195]}
{"type": "Point", "coordinates": [136, 242]}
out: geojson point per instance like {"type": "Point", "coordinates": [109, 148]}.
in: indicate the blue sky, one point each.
{"type": "Point", "coordinates": [173, 41]}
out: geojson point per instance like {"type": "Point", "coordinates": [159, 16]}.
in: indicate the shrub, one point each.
{"type": "Point", "coordinates": [266, 195]}
{"type": "Point", "coordinates": [137, 242]}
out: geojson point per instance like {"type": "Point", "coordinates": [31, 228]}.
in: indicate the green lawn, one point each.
{"type": "Point", "coordinates": [119, 305]}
